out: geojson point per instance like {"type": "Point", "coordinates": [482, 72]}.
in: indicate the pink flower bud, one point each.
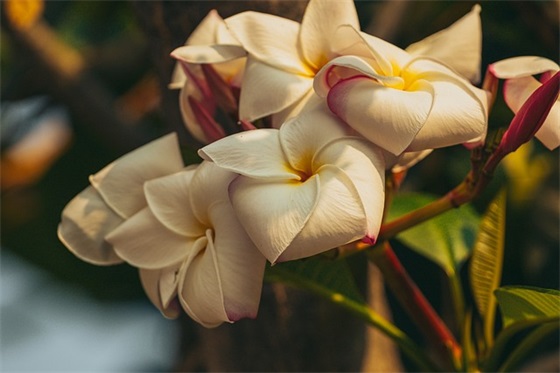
{"type": "Point", "coordinates": [531, 115]}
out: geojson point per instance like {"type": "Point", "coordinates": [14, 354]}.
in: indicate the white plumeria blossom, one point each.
{"type": "Point", "coordinates": [402, 101]}
{"type": "Point", "coordinates": [520, 84]}
{"type": "Point", "coordinates": [305, 188]}
{"type": "Point", "coordinates": [284, 56]}
{"type": "Point", "coordinates": [188, 243]}
{"type": "Point", "coordinates": [210, 43]}
{"type": "Point", "coordinates": [115, 194]}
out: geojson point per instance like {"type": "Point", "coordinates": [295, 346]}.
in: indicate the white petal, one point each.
{"type": "Point", "coordinates": [409, 159]}
{"type": "Point", "coordinates": [456, 117]}
{"type": "Point", "coordinates": [309, 102]}
{"type": "Point", "coordinates": [459, 46]}
{"type": "Point", "coordinates": [283, 89]}
{"type": "Point", "coordinates": [517, 91]}
{"type": "Point", "coordinates": [142, 241]}
{"type": "Point", "coordinates": [319, 24]}
{"type": "Point", "coordinates": [254, 153]}
{"type": "Point", "coordinates": [388, 117]}
{"type": "Point", "coordinates": [273, 213]}
{"type": "Point", "coordinates": [364, 165]}
{"type": "Point", "coordinates": [337, 218]}
{"type": "Point", "coordinates": [86, 220]}
{"type": "Point", "coordinates": [209, 186]}
{"type": "Point", "coordinates": [189, 119]}
{"type": "Point", "coordinates": [518, 67]}
{"type": "Point", "coordinates": [169, 200]}
{"type": "Point", "coordinates": [208, 53]}
{"type": "Point", "coordinates": [270, 39]}
{"type": "Point", "coordinates": [200, 288]}
{"type": "Point", "coordinates": [240, 263]}
{"type": "Point", "coordinates": [160, 286]}
{"type": "Point", "coordinates": [302, 136]}
{"type": "Point", "coordinates": [121, 183]}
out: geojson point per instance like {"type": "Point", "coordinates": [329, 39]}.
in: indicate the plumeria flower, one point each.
{"type": "Point", "coordinates": [189, 244]}
{"type": "Point", "coordinates": [402, 101]}
{"type": "Point", "coordinates": [209, 74]}
{"type": "Point", "coordinates": [284, 56]}
{"type": "Point", "coordinates": [115, 194]}
{"type": "Point", "coordinates": [304, 188]}
{"type": "Point", "coordinates": [520, 84]}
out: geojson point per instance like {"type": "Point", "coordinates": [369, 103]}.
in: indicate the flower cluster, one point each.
{"type": "Point", "coordinates": [302, 121]}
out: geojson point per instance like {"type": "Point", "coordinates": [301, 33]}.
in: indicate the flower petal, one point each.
{"type": "Point", "coordinates": [209, 186]}
{"type": "Point", "coordinates": [456, 117]}
{"type": "Point", "coordinates": [273, 213]}
{"type": "Point", "coordinates": [517, 91]}
{"type": "Point", "coordinates": [388, 117]}
{"type": "Point", "coordinates": [160, 286]}
{"type": "Point", "coordinates": [240, 263]}
{"type": "Point", "coordinates": [144, 242]}
{"type": "Point", "coordinates": [86, 220]}
{"type": "Point", "coordinates": [319, 25]}
{"type": "Point", "coordinates": [409, 159]}
{"type": "Point", "coordinates": [337, 218]}
{"type": "Point", "coordinates": [270, 39]}
{"type": "Point", "coordinates": [302, 136]}
{"type": "Point", "coordinates": [254, 153]}
{"type": "Point", "coordinates": [518, 67]}
{"type": "Point", "coordinates": [200, 288]}
{"type": "Point", "coordinates": [307, 103]}
{"type": "Point", "coordinates": [121, 183]}
{"type": "Point", "coordinates": [459, 46]}
{"type": "Point", "coordinates": [364, 165]}
{"type": "Point", "coordinates": [283, 89]}
{"type": "Point", "coordinates": [188, 93]}
{"type": "Point", "coordinates": [216, 53]}
{"type": "Point", "coordinates": [166, 194]}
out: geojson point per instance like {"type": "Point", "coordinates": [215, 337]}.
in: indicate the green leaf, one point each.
{"type": "Point", "coordinates": [522, 307]}
{"type": "Point", "coordinates": [519, 304]}
{"type": "Point", "coordinates": [332, 278]}
{"type": "Point", "coordinates": [485, 270]}
{"type": "Point", "coordinates": [446, 239]}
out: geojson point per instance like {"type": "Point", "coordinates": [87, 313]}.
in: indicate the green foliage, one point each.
{"type": "Point", "coordinates": [519, 304]}
{"type": "Point", "coordinates": [331, 278]}
{"type": "Point", "coordinates": [446, 239]}
{"type": "Point", "coordinates": [486, 264]}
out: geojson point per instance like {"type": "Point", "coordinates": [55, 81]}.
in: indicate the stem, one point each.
{"type": "Point", "coordinates": [458, 300]}
{"type": "Point", "coordinates": [415, 303]}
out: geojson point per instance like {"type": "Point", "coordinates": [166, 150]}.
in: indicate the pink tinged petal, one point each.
{"type": "Point", "coordinates": [86, 220]}
{"type": "Point", "coordinates": [283, 89]}
{"type": "Point", "coordinates": [273, 214]}
{"type": "Point", "coordinates": [246, 125]}
{"type": "Point", "coordinates": [456, 117]}
{"type": "Point", "coordinates": [319, 24]}
{"type": "Point", "coordinates": [459, 46]}
{"type": "Point", "coordinates": [270, 39]}
{"type": "Point", "coordinates": [533, 113]}
{"type": "Point", "coordinates": [208, 54]}
{"type": "Point", "coordinates": [252, 153]}
{"type": "Point", "coordinates": [518, 67]}
{"type": "Point", "coordinates": [304, 135]}
{"type": "Point", "coordinates": [346, 67]}
{"type": "Point", "coordinates": [187, 94]}
{"type": "Point", "coordinates": [337, 218]}
{"type": "Point", "coordinates": [210, 128]}
{"type": "Point", "coordinates": [209, 185]}
{"type": "Point", "coordinates": [388, 117]}
{"type": "Point", "coordinates": [121, 183]}
{"type": "Point", "coordinates": [240, 263]}
{"type": "Point", "coordinates": [221, 90]}
{"type": "Point", "coordinates": [200, 285]}
{"type": "Point", "coordinates": [160, 286]}
{"type": "Point", "coordinates": [169, 200]}
{"type": "Point", "coordinates": [363, 164]}
{"type": "Point", "coordinates": [144, 242]}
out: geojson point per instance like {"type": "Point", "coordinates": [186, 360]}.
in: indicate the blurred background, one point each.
{"type": "Point", "coordinates": [84, 82]}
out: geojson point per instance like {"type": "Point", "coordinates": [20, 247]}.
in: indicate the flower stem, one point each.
{"type": "Point", "coordinates": [415, 304]}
